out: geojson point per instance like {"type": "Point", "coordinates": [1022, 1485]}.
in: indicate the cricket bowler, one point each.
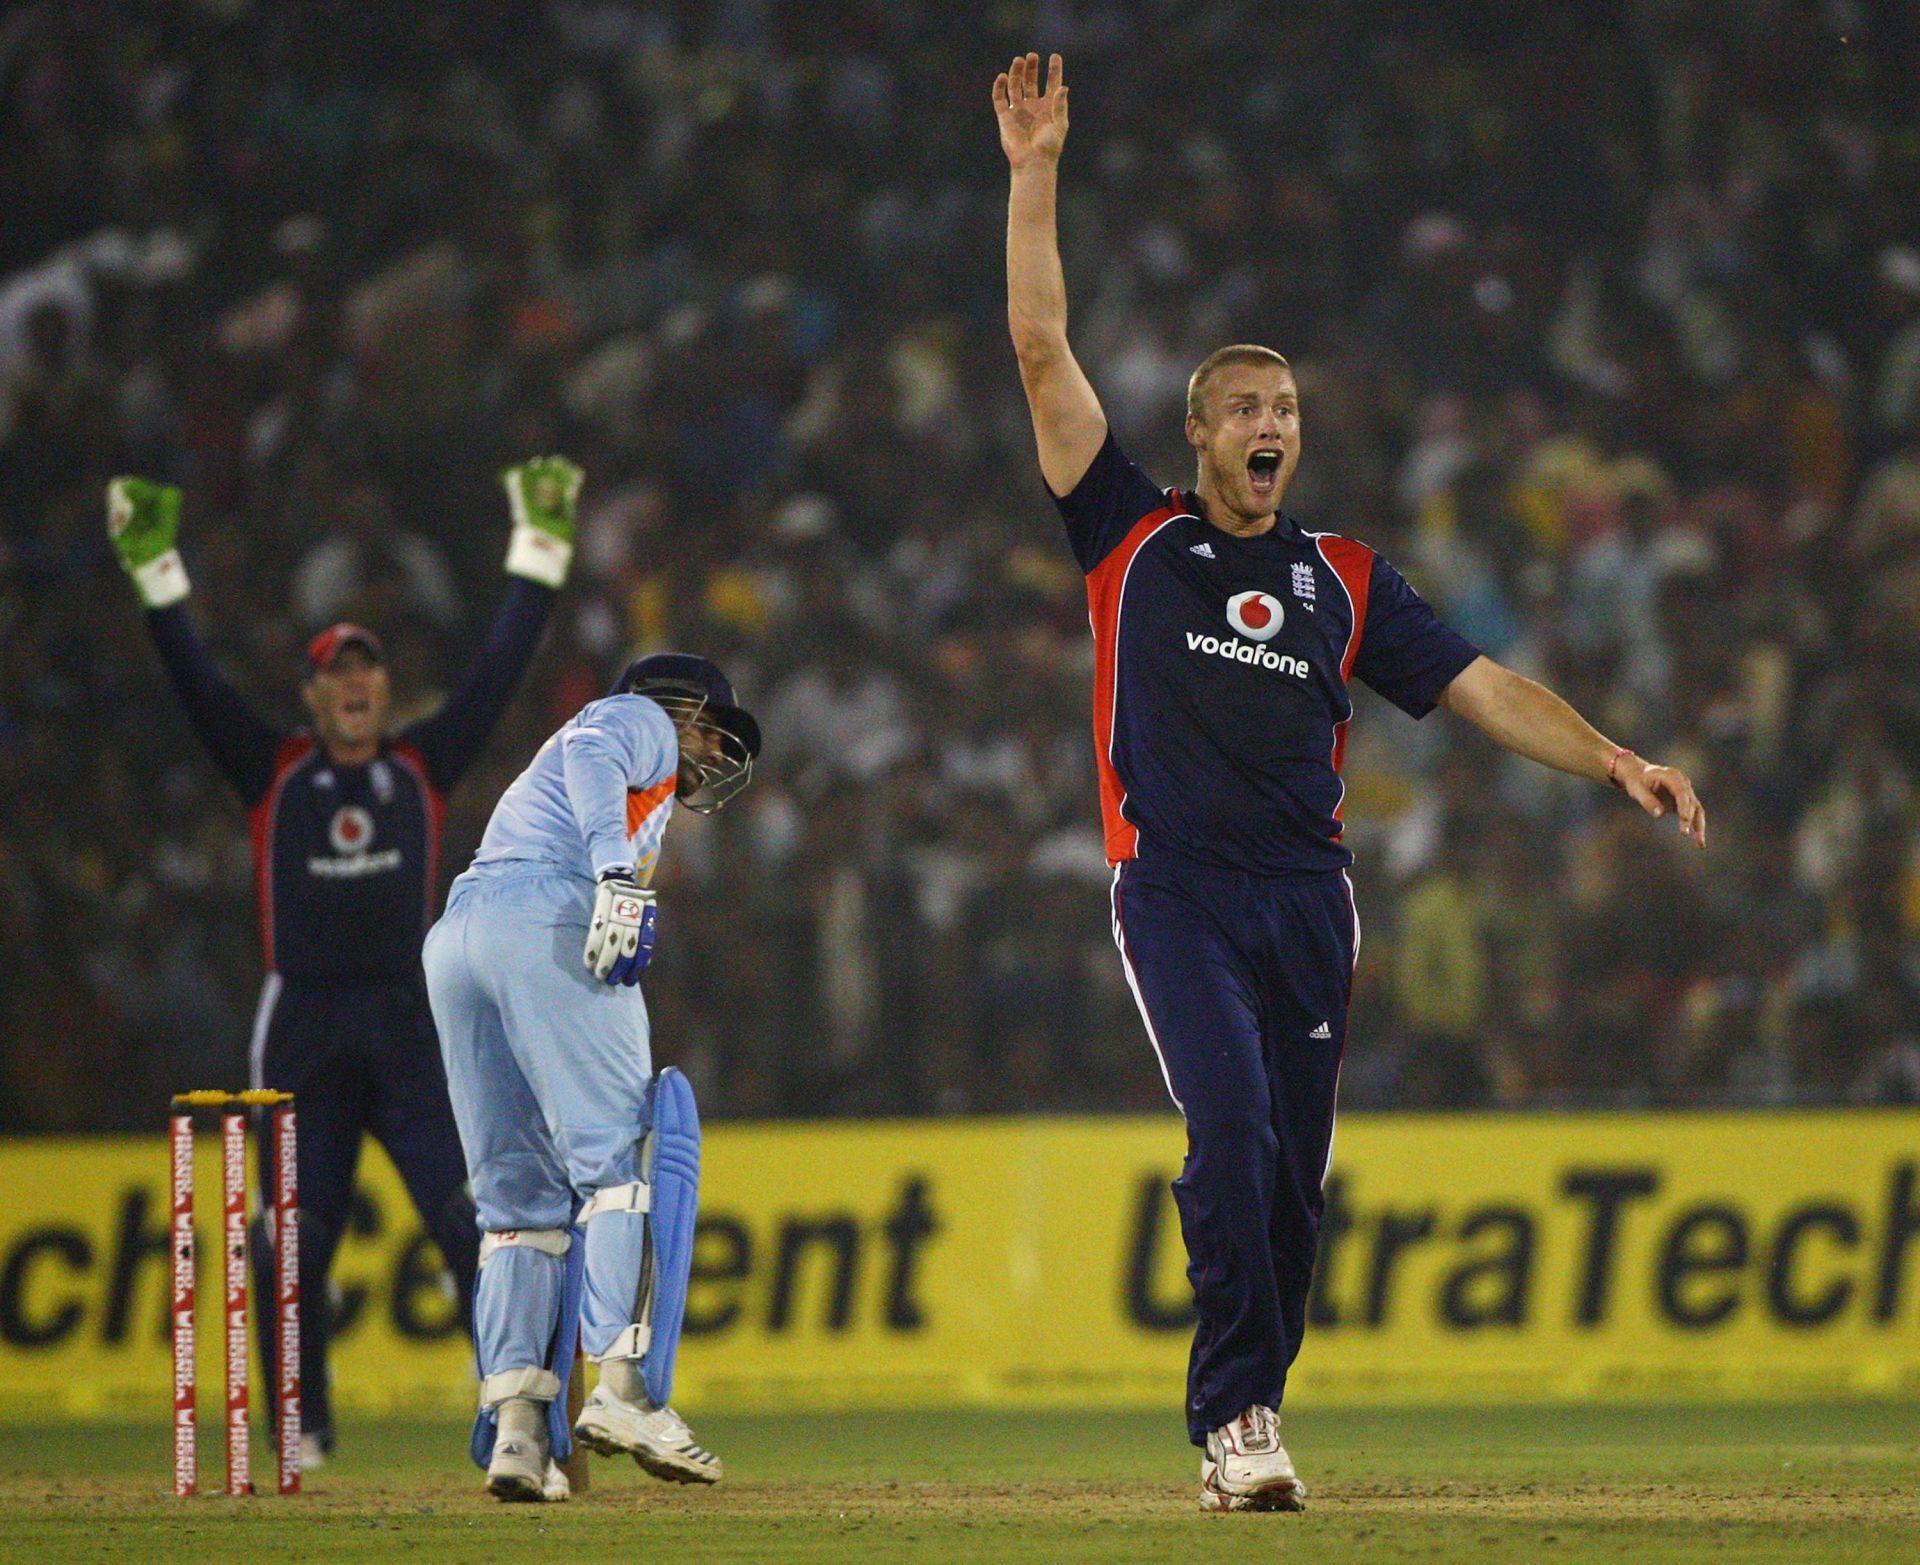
{"type": "Point", "coordinates": [1226, 634]}
{"type": "Point", "coordinates": [585, 1164]}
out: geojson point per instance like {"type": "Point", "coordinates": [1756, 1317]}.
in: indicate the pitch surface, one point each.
{"type": "Point", "coordinates": [1748, 1484]}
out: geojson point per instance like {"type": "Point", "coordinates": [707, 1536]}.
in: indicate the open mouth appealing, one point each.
{"type": "Point", "coordinates": [1263, 469]}
{"type": "Point", "coordinates": [355, 706]}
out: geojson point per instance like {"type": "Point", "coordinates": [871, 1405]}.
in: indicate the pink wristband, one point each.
{"type": "Point", "coordinates": [1613, 768]}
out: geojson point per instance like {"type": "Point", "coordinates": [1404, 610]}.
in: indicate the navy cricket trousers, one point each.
{"type": "Point", "coordinates": [360, 1056]}
{"type": "Point", "coordinates": [1243, 981]}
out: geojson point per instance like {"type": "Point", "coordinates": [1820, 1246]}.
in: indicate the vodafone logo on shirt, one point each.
{"type": "Point", "coordinates": [351, 830]}
{"type": "Point", "coordinates": [1256, 615]}
{"type": "Point", "coordinates": [351, 833]}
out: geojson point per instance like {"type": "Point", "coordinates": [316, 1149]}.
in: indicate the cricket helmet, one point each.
{"type": "Point", "coordinates": [695, 694]}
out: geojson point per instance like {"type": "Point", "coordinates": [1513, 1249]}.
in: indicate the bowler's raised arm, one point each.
{"type": "Point", "coordinates": [1068, 424]}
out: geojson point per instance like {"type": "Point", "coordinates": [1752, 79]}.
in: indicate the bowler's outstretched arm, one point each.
{"type": "Point", "coordinates": [1527, 718]}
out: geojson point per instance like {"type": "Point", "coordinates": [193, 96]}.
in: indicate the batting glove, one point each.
{"type": "Point", "coordinates": [620, 938]}
{"type": "Point", "coordinates": [143, 520]}
{"type": "Point", "coordinates": [542, 493]}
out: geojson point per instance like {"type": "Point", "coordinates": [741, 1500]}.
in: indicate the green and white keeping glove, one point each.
{"type": "Point", "coordinates": [143, 520]}
{"type": "Point", "coordinates": [542, 493]}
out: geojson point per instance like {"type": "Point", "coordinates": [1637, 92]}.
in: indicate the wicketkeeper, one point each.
{"type": "Point", "coordinates": [346, 833]}
{"type": "Point", "coordinates": [585, 1164]}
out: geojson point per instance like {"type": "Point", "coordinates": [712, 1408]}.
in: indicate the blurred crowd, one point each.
{"type": "Point", "coordinates": [1607, 319]}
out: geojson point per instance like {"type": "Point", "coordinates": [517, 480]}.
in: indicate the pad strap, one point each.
{"type": "Point", "coordinates": [549, 1241]}
{"type": "Point", "coordinates": [632, 1343]}
{"type": "Point", "coordinates": [636, 1197]}
{"type": "Point", "coordinates": [536, 1385]}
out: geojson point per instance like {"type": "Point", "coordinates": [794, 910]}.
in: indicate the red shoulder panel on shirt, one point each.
{"type": "Point", "coordinates": [1106, 584]}
{"type": "Point", "coordinates": [1353, 564]}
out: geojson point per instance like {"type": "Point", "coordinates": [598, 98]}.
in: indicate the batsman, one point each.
{"type": "Point", "coordinates": [346, 833]}
{"type": "Point", "coordinates": [585, 1164]}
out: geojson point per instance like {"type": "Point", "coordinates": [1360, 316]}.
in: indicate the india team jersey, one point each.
{"type": "Point", "coordinates": [1221, 671]}
{"type": "Point", "coordinates": [596, 796]}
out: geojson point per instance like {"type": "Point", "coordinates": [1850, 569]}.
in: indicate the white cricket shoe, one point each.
{"type": "Point", "coordinates": [519, 1469]}
{"type": "Point", "coordinates": [1246, 1468]}
{"type": "Point", "coordinates": [313, 1451]}
{"type": "Point", "coordinates": [656, 1437]}
{"type": "Point", "coordinates": [555, 1487]}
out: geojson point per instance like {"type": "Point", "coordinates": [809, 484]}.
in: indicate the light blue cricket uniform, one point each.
{"type": "Point", "coordinates": [549, 1067]}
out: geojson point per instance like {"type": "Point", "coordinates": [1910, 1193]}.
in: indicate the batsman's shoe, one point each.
{"type": "Point", "coordinates": [313, 1451]}
{"type": "Point", "coordinates": [1246, 1468]}
{"type": "Point", "coordinates": [655, 1437]}
{"type": "Point", "coordinates": [519, 1469]}
{"type": "Point", "coordinates": [555, 1487]}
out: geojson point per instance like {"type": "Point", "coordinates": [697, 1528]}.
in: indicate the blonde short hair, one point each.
{"type": "Point", "coordinates": [1219, 359]}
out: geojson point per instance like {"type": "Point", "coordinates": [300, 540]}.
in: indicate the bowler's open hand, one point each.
{"type": "Point", "coordinates": [1033, 124]}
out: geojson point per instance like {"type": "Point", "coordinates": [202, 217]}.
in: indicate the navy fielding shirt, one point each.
{"type": "Point", "coordinates": [347, 858]}
{"type": "Point", "coordinates": [1221, 664]}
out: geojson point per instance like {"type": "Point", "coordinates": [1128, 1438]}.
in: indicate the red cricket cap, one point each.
{"type": "Point", "coordinates": [335, 639]}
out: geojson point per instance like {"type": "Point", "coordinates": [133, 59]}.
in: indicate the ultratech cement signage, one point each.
{"type": "Point", "coordinates": [1038, 1262]}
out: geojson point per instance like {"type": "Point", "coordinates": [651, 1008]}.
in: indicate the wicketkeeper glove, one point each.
{"type": "Point", "coordinates": [620, 938]}
{"type": "Point", "coordinates": [143, 520]}
{"type": "Point", "coordinates": [542, 493]}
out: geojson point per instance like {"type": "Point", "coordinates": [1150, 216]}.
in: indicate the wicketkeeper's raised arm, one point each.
{"type": "Point", "coordinates": [143, 520]}
{"type": "Point", "coordinates": [542, 494]}
{"type": "Point", "coordinates": [1068, 424]}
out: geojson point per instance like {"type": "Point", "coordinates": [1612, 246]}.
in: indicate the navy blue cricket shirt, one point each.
{"type": "Point", "coordinates": [347, 858]}
{"type": "Point", "coordinates": [1220, 703]}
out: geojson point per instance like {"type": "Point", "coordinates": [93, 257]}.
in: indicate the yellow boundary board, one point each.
{"type": "Point", "coordinates": [1037, 1262]}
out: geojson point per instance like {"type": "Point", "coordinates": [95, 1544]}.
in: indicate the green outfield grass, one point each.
{"type": "Point", "coordinates": [1668, 1485]}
